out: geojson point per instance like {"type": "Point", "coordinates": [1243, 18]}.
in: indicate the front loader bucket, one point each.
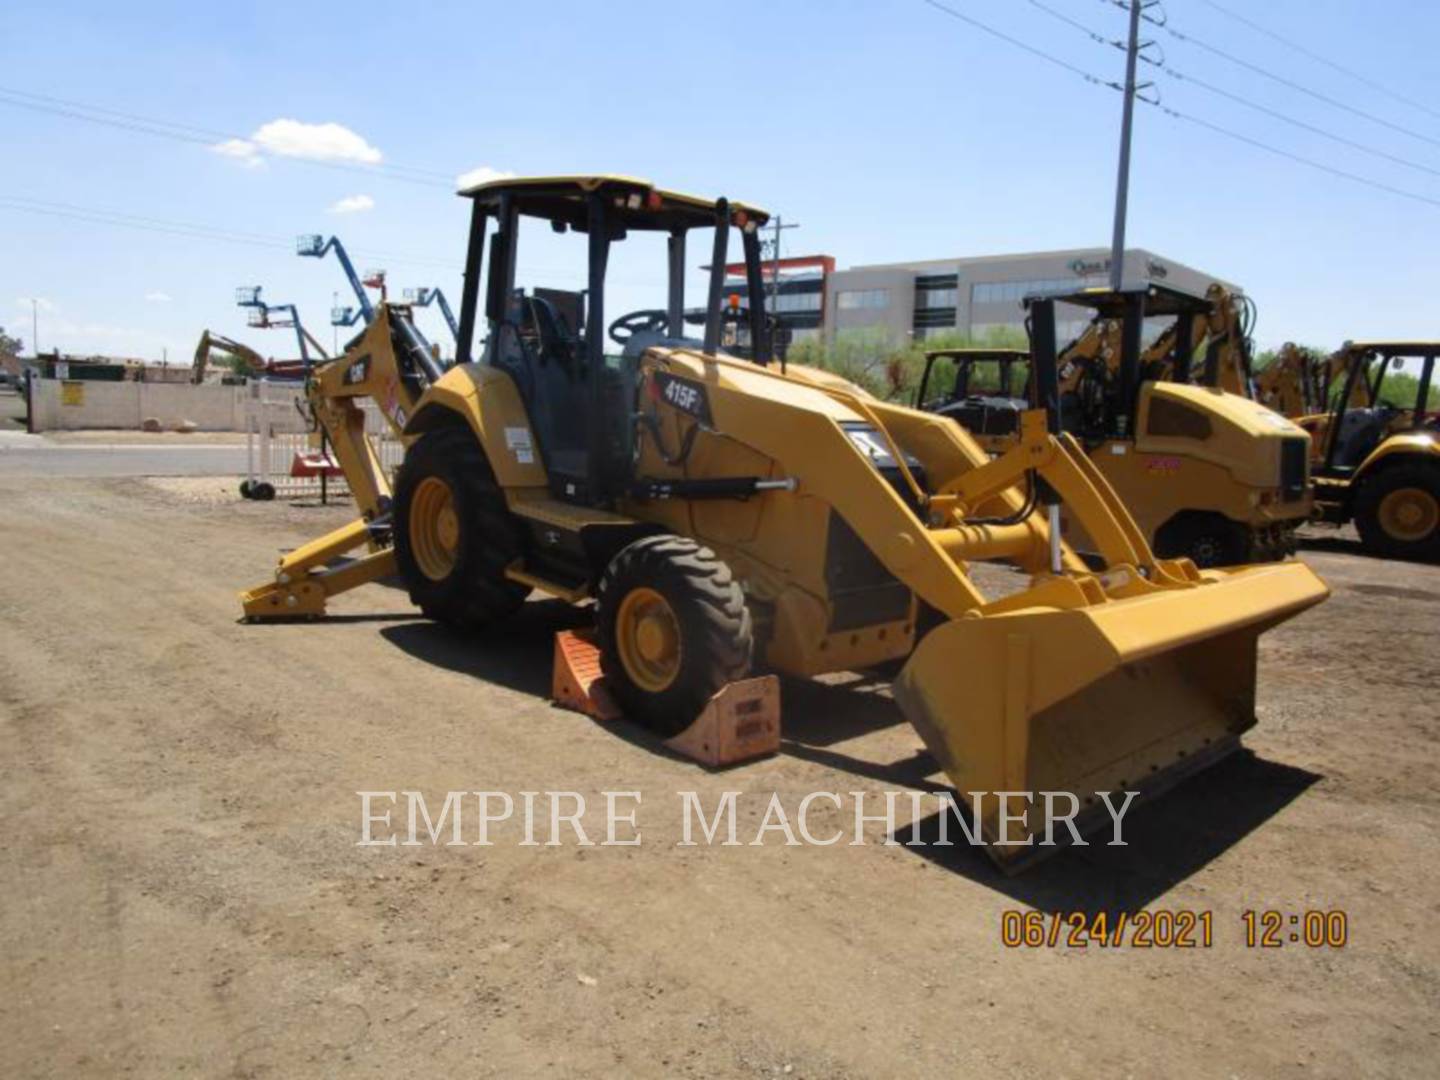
{"type": "Point", "coordinates": [1121, 695]}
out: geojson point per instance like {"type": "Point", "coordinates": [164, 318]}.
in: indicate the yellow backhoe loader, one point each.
{"type": "Point", "coordinates": [1379, 462]}
{"type": "Point", "coordinates": [1208, 474]}
{"type": "Point", "coordinates": [982, 388]}
{"type": "Point", "coordinates": [1293, 383]}
{"type": "Point", "coordinates": [723, 513]}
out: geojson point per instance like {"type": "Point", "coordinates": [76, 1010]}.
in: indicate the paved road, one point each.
{"type": "Point", "coordinates": [34, 455]}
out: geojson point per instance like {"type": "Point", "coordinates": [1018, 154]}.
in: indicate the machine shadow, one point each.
{"type": "Point", "coordinates": [517, 654]}
{"type": "Point", "coordinates": [1167, 839]}
{"type": "Point", "coordinates": [820, 715]}
{"type": "Point", "coordinates": [1336, 545]}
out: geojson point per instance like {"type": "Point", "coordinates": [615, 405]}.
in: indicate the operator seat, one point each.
{"type": "Point", "coordinates": [1360, 432]}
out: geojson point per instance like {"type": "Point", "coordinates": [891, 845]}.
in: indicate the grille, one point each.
{"type": "Point", "coordinates": [1294, 468]}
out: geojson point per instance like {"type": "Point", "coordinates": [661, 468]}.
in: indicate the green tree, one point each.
{"type": "Point", "coordinates": [868, 358]}
{"type": "Point", "coordinates": [1400, 390]}
{"type": "Point", "coordinates": [10, 346]}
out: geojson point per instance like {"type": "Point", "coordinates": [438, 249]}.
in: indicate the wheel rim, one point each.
{"type": "Point", "coordinates": [1409, 514]}
{"type": "Point", "coordinates": [647, 636]}
{"type": "Point", "coordinates": [434, 528]}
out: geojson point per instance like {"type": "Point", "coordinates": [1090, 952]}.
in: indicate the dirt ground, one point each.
{"type": "Point", "coordinates": [183, 893]}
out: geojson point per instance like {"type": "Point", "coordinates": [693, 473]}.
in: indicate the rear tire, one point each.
{"type": "Point", "coordinates": [454, 534]}
{"type": "Point", "coordinates": [1397, 512]}
{"type": "Point", "coordinates": [674, 628]}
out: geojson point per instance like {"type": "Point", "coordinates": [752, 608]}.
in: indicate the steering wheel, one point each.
{"type": "Point", "coordinates": [651, 319]}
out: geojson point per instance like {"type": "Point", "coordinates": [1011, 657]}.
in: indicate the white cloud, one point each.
{"type": "Point", "coordinates": [242, 151]}
{"type": "Point", "coordinates": [158, 297]}
{"type": "Point", "coordinates": [482, 174]}
{"type": "Point", "coordinates": [296, 139]}
{"type": "Point", "coordinates": [353, 204]}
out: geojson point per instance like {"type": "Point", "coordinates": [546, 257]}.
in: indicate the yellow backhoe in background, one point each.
{"type": "Point", "coordinates": [1208, 473]}
{"type": "Point", "coordinates": [982, 389]}
{"type": "Point", "coordinates": [1293, 383]}
{"type": "Point", "coordinates": [723, 513]}
{"type": "Point", "coordinates": [1378, 454]}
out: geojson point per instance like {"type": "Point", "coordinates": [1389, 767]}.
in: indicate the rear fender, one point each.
{"type": "Point", "coordinates": [1413, 445]}
{"type": "Point", "coordinates": [486, 401]}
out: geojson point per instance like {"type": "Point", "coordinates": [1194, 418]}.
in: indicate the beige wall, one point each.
{"type": "Point", "coordinates": [126, 405]}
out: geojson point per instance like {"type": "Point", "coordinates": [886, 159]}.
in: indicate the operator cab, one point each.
{"type": "Point", "coordinates": [1103, 404]}
{"type": "Point", "coordinates": [1352, 434]}
{"type": "Point", "coordinates": [575, 372]}
{"type": "Point", "coordinates": [984, 390]}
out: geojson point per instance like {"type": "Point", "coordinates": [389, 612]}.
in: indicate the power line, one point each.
{"type": "Point", "coordinates": [1297, 47]}
{"type": "Point", "coordinates": [1031, 49]}
{"type": "Point", "coordinates": [1186, 117]}
{"type": "Point", "coordinates": [208, 137]}
{"type": "Point", "coordinates": [188, 230]}
{"type": "Point", "coordinates": [270, 241]}
{"type": "Point", "coordinates": [1332, 170]}
{"type": "Point", "coordinates": [1099, 39]}
{"type": "Point", "coordinates": [1341, 139]}
{"type": "Point", "coordinates": [1190, 39]}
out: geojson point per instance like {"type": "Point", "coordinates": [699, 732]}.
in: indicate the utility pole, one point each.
{"type": "Point", "coordinates": [778, 226]}
{"type": "Point", "coordinates": [35, 326]}
{"type": "Point", "coordinates": [1122, 183]}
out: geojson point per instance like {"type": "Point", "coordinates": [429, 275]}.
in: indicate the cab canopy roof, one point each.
{"type": "Point", "coordinates": [635, 203]}
{"type": "Point", "coordinates": [1160, 300]}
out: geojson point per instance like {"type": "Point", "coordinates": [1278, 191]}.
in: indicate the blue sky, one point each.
{"type": "Point", "coordinates": [888, 130]}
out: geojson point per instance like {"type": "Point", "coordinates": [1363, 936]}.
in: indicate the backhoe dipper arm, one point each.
{"type": "Point", "coordinates": [374, 369]}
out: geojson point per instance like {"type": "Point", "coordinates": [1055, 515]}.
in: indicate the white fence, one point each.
{"type": "Point", "coordinates": [284, 458]}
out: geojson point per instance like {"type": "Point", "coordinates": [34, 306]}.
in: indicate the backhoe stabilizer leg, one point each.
{"type": "Point", "coordinates": [305, 578]}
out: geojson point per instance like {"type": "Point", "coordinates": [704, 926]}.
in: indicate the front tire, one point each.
{"type": "Point", "coordinates": [674, 628]}
{"type": "Point", "coordinates": [1206, 539]}
{"type": "Point", "coordinates": [454, 534]}
{"type": "Point", "coordinates": [1397, 512]}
